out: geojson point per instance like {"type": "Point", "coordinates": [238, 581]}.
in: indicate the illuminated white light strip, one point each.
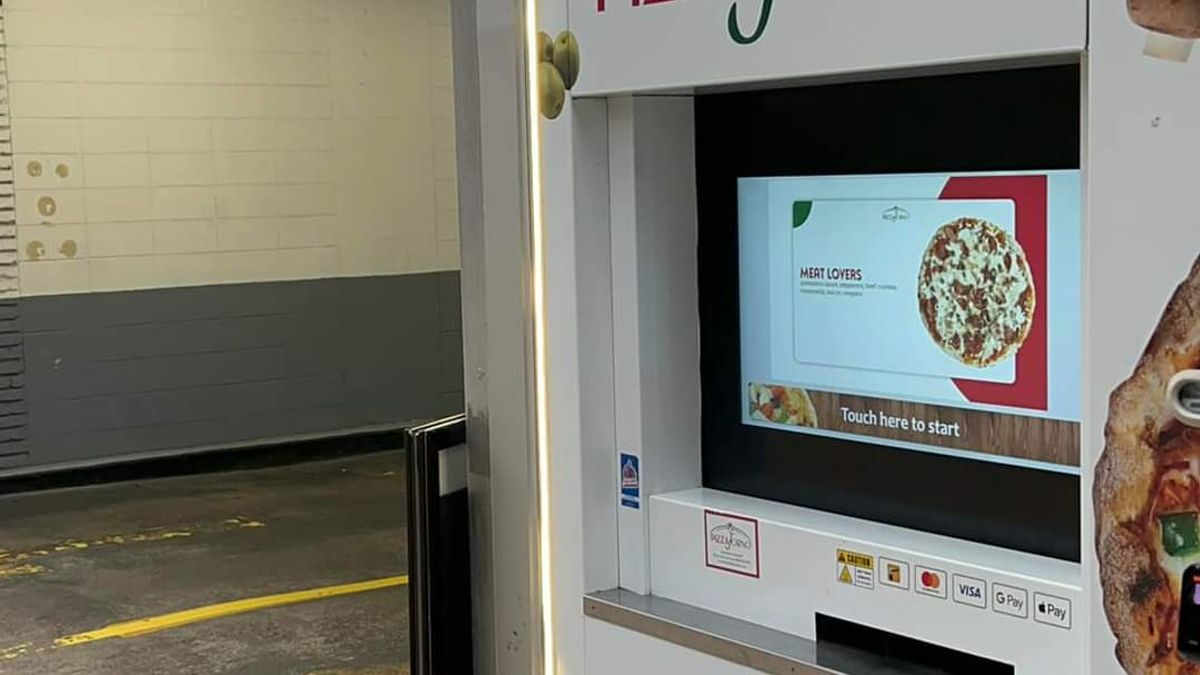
{"type": "Point", "coordinates": [539, 339]}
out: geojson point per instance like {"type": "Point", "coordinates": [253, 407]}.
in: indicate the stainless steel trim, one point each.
{"type": "Point", "coordinates": [468, 130]}
{"type": "Point", "coordinates": [706, 632]}
{"type": "Point", "coordinates": [733, 640]}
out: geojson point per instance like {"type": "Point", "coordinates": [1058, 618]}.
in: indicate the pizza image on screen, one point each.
{"type": "Point", "coordinates": [975, 292]}
{"type": "Point", "coordinates": [782, 405]}
{"type": "Point", "coordinates": [1147, 496]}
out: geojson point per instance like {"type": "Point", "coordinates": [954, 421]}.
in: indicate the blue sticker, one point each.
{"type": "Point", "coordinates": [631, 482]}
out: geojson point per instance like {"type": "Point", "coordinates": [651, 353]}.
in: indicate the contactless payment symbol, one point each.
{"type": "Point", "coordinates": [931, 582]}
{"type": "Point", "coordinates": [631, 482]}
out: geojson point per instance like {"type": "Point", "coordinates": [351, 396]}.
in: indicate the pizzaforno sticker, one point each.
{"type": "Point", "coordinates": [731, 543]}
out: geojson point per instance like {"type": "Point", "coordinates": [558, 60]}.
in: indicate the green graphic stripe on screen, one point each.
{"type": "Point", "coordinates": [800, 213]}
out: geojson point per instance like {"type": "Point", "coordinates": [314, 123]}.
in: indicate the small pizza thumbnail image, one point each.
{"type": "Point", "coordinates": [975, 292]}
{"type": "Point", "coordinates": [1146, 497]}
{"type": "Point", "coordinates": [782, 405]}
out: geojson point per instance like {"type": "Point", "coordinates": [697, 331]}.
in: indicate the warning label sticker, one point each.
{"type": "Point", "coordinates": [855, 569]}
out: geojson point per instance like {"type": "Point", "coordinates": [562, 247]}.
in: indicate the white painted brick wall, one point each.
{"type": "Point", "coordinates": [222, 141]}
{"type": "Point", "coordinates": [444, 164]}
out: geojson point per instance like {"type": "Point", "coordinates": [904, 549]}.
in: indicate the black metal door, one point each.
{"type": "Point", "coordinates": [439, 567]}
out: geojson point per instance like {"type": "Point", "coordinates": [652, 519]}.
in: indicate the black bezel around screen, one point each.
{"type": "Point", "coordinates": [1002, 120]}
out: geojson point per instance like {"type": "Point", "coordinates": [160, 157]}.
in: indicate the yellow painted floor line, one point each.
{"type": "Point", "coordinates": [19, 563]}
{"type": "Point", "coordinates": [155, 624]}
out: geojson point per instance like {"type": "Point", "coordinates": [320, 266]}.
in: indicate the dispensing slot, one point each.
{"type": "Point", "coordinates": [839, 640]}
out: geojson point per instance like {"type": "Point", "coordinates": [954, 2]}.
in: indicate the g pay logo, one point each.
{"type": "Point", "coordinates": [734, 23]}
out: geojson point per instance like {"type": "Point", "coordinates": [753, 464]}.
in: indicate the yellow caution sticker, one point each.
{"type": "Point", "coordinates": [855, 569]}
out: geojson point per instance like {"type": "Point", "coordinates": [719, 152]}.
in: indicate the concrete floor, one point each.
{"type": "Point", "coordinates": [79, 559]}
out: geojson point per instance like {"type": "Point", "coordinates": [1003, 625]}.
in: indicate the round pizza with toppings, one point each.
{"type": "Point", "coordinates": [1147, 499]}
{"type": "Point", "coordinates": [975, 292]}
{"type": "Point", "coordinates": [782, 405]}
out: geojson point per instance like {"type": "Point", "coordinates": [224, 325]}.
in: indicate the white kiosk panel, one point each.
{"type": "Point", "coordinates": [641, 45]}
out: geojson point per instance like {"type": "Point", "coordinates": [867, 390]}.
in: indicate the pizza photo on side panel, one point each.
{"type": "Point", "coordinates": [975, 292]}
{"type": "Point", "coordinates": [1146, 498]}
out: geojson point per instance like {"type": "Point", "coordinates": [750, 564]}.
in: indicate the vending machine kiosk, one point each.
{"type": "Point", "coordinates": [868, 335]}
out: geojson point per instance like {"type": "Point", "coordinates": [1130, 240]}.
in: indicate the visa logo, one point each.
{"type": "Point", "coordinates": [970, 591]}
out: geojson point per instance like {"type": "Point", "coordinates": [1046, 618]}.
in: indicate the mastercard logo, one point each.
{"type": "Point", "coordinates": [930, 580]}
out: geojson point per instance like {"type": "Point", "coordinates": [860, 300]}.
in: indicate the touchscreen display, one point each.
{"type": "Point", "coordinates": [930, 312]}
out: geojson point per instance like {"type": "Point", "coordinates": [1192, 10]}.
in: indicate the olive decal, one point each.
{"type": "Point", "coordinates": [566, 57]}
{"type": "Point", "coordinates": [552, 93]}
{"type": "Point", "coordinates": [557, 71]}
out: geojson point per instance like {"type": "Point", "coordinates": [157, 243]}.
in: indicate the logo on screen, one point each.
{"type": "Point", "coordinates": [895, 214]}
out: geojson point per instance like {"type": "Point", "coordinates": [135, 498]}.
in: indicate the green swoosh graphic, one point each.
{"type": "Point", "coordinates": [735, 30]}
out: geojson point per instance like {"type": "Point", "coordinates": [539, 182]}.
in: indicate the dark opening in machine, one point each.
{"type": "Point", "coordinates": [841, 643]}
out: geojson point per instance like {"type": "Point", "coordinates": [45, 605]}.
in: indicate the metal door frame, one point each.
{"type": "Point", "coordinates": [498, 327]}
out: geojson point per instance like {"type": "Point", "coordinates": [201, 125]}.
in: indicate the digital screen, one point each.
{"type": "Point", "coordinates": [890, 298]}
{"type": "Point", "coordinates": [933, 312]}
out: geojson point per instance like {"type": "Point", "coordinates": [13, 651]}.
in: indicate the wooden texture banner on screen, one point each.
{"type": "Point", "coordinates": [1039, 439]}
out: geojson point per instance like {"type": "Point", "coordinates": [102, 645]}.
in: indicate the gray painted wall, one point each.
{"type": "Point", "coordinates": [115, 374]}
